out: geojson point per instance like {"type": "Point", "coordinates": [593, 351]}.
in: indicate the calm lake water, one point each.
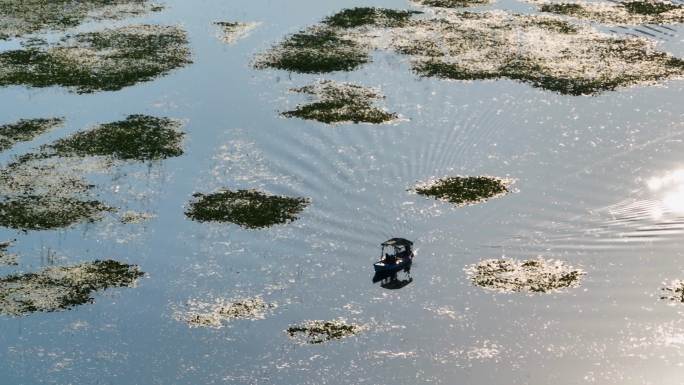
{"type": "Point", "coordinates": [596, 186]}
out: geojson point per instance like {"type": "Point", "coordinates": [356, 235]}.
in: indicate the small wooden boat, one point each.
{"type": "Point", "coordinates": [396, 254]}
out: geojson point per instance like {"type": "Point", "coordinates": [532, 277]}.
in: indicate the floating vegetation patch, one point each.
{"type": "Point", "coordinates": [315, 50]}
{"type": "Point", "coordinates": [25, 130]}
{"type": "Point", "coordinates": [234, 31]}
{"type": "Point", "coordinates": [248, 208]}
{"type": "Point", "coordinates": [107, 60]}
{"type": "Point", "coordinates": [341, 102]}
{"type": "Point", "coordinates": [369, 16]}
{"type": "Point", "coordinates": [62, 288]}
{"type": "Point", "coordinates": [629, 12]}
{"type": "Point", "coordinates": [539, 275]}
{"type": "Point", "coordinates": [20, 17]}
{"type": "Point", "coordinates": [133, 217]}
{"type": "Point", "coordinates": [451, 3]}
{"type": "Point", "coordinates": [543, 51]}
{"type": "Point", "coordinates": [673, 291]}
{"type": "Point", "coordinates": [465, 190]}
{"type": "Point", "coordinates": [138, 137]}
{"type": "Point", "coordinates": [7, 258]}
{"type": "Point", "coordinates": [221, 311]}
{"type": "Point", "coordinates": [316, 332]}
{"type": "Point", "coordinates": [42, 212]}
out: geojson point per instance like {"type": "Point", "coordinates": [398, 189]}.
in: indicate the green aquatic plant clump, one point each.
{"type": "Point", "coordinates": [248, 208]}
{"type": "Point", "coordinates": [25, 130]}
{"type": "Point", "coordinates": [464, 190]}
{"type": "Point", "coordinates": [628, 12]}
{"type": "Point", "coordinates": [341, 102]}
{"type": "Point", "coordinates": [369, 16]}
{"type": "Point", "coordinates": [138, 137]}
{"type": "Point", "coordinates": [107, 60]}
{"type": "Point", "coordinates": [317, 332]}
{"type": "Point", "coordinates": [315, 50]}
{"type": "Point", "coordinates": [40, 212]}
{"type": "Point", "coordinates": [452, 3]}
{"type": "Point", "coordinates": [21, 17]}
{"type": "Point", "coordinates": [539, 275]}
{"type": "Point", "coordinates": [62, 288]}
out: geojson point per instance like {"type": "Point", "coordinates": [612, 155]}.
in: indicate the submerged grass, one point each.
{"type": "Point", "coordinates": [107, 60]}
{"type": "Point", "coordinates": [21, 17]}
{"type": "Point", "coordinates": [138, 137]}
{"type": "Point", "coordinates": [532, 276]}
{"type": "Point", "coordinates": [233, 31]}
{"type": "Point", "coordinates": [62, 288]}
{"type": "Point", "coordinates": [673, 291]}
{"type": "Point", "coordinates": [248, 208]}
{"type": "Point", "coordinates": [317, 332]}
{"type": "Point", "coordinates": [216, 314]}
{"type": "Point", "coordinates": [25, 130]}
{"type": "Point", "coordinates": [464, 190]}
{"type": "Point", "coordinates": [341, 102]}
{"type": "Point", "coordinates": [40, 212]}
{"type": "Point", "coordinates": [628, 12]}
{"type": "Point", "coordinates": [7, 258]}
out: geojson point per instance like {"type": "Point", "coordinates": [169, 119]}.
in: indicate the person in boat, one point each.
{"type": "Point", "coordinates": [390, 259]}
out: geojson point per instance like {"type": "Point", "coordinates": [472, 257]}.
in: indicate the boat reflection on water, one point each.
{"type": "Point", "coordinates": [394, 280]}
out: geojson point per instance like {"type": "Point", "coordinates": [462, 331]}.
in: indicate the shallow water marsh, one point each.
{"type": "Point", "coordinates": [583, 164]}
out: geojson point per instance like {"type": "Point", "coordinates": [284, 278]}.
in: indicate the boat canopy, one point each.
{"type": "Point", "coordinates": [398, 242]}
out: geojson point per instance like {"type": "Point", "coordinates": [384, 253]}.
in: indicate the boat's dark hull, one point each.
{"type": "Point", "coordinates": [381, 267]}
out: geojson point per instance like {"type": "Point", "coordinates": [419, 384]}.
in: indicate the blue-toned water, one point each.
{"type": "Point", "coordinates": [588, 192]}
